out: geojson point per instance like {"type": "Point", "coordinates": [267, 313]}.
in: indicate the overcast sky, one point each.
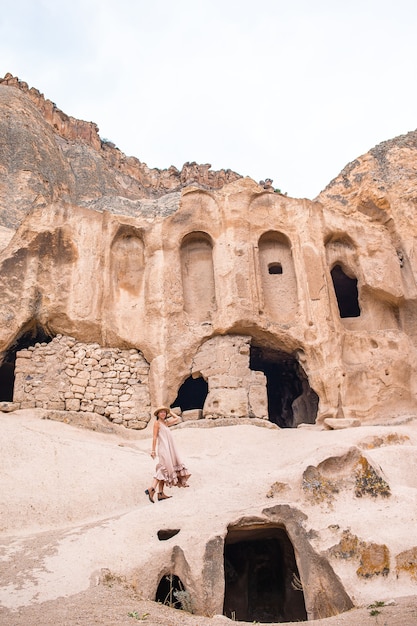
{"type": "Point", "coordinates": [292, 90]}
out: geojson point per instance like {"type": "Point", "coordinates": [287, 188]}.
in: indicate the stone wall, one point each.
{"type": "Point", "coordinates": [234, 390]}
{"type": "Point", "coordinates": [68, 375]}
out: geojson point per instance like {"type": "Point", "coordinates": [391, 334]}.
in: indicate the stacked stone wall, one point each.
{"type": "Point", "coordinates": [235, 391]}
{"type": "Point", "coordinates": [67, 375]}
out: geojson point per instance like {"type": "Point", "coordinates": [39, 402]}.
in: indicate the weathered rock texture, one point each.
{"type": "Point", "coordinates": [167, 286]}
{"type": "Point", "coordinates": [290, 310]}
{"type": "Point", "coordinates": [48, 156]}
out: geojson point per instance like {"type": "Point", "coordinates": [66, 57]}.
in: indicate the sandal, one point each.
{"type": "Point", "coordinates": [150, 493]}
{"type": "Point", "coordinates": [163, 496]}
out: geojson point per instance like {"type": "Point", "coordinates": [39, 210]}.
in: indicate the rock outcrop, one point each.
{"type": "Point", "coordinates": [48, 156]}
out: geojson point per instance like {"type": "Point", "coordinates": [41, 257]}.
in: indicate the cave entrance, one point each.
{"type": "Point", "coordinates": [346, 290]}
{"type": "Point", "coordinates": [192, 394]}
{"type": "Point", "coordinates": [291, 400]}
{"type": "Point", "coordinates": [262, 583]}
{"type": "Point", "coordinates": [171, 592]}
{"type": "Point", "coordinates": [28, 337]}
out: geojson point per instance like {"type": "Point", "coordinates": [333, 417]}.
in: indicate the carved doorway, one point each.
{"type": "Point", "coordinates": [346, 290]}
{"type": "Point", "coordinates": [262, 582]}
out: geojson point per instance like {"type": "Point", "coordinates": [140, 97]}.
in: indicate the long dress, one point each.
{"type": "Point", "coordinates": [170, 468]}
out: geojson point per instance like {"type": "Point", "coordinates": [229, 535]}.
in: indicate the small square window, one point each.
{"type": "Point", "coordinates": [275, 268]}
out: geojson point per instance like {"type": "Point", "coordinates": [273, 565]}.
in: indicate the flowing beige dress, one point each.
{"type": "Point", "coordinates": [170, 468]}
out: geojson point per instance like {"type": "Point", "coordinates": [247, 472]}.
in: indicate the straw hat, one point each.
{"type": "Point", "coordinates": [161, 408]}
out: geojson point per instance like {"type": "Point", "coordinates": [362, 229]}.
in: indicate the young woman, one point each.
{"type": "Point", "coordinates": [169, 470]}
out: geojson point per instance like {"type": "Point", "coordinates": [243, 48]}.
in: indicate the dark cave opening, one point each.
{"type": "Point", "coordinates": [291, 400]}
{"type": "Point", "coordinates": [28, 337]}
{"type": "Point", "coordinates": [171, 591]}
{"type": "Point", "coordinates": [191, 394]}
{"type": "Point", "coordinates": [346, 290]}
{"type": "Point", "coordinates": [262, 582]}
{"type": "Point", "coordinates": [7, 378]}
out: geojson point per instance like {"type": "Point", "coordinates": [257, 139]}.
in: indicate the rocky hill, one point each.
{"type": "Point", "coordinates": [47, 156]}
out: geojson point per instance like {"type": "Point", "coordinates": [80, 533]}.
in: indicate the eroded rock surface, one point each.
{"type": "Point", "coordinates": [48, 156]}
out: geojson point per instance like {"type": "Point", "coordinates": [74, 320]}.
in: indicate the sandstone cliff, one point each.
{"type": "Point", "coordinates": [381, 185]}
{"type": "Point", "coordinates": [242, 289]}
{"type": "Point", "coordinates": [48, 156]}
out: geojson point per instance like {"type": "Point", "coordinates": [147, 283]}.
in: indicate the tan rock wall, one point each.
{"type": "Point", "coordinates": [237, 262]}
{"type": "Point", "coordinates": [168, 285]}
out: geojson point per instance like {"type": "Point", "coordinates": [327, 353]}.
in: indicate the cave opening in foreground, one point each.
{"type": "Point", "coordinates": [171, 592]}
{"type": "Point", "coordinates": [262, 583]}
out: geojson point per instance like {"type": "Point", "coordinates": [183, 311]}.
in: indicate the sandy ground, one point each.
{"type": "Point", "coordinates": [72, 504]}
{"type": "Point", "coordinates": [119, 606]}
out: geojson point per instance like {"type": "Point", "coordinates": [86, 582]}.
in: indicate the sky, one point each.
{"type": "Point", "coordinates": [291, 90]}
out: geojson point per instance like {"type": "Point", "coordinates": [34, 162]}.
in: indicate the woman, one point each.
{"type": "Point", "coordinates": [170, 470]}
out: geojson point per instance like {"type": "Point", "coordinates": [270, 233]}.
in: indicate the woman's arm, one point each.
{"type": "Point", "coordinates": [173, 418]}
{"type": "Point", "coordinates": [155, 438]}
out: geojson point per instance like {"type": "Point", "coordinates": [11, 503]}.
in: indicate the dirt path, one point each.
{"type": "Point", "coordinates": [118, 605]}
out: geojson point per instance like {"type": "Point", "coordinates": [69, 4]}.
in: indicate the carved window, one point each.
{"type": "Point", "coordinates": [346, 290]}
{"type": "Point", "coordinates": [274, 268]}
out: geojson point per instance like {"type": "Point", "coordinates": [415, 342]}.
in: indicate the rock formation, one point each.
{"type": "Point", "coordinates": [47, 156]}
{"type": "Point", "coordinates": [321, 294]}
{"type": "Point", "coordinates": [124, 288]}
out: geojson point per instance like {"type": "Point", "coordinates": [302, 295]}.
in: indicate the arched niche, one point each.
{"type": "Point", "coordinates": [291, 400]}
{"type": "Point", "coordinates": [30, 335]}
{"type": "Point", "coordinates": [199, 206]}
{"type": "Point", "coordinates": [262, 582]}
{"type": "Point", "coordinates": [342, 261]}
{"type": "Point", "coordinates": [127, 260]}
{"type": "Point", "coordinates": [339, 244]}
{"type": "Point", "coordinates": [197, 274]}
{"type": "Point", "coordinates": [279, 284]}
{"type": "Point", "coordinates": [191, 394]}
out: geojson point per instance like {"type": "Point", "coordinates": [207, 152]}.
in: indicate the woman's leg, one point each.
{"type": "Point", "coordinates": [150, 492]}
{"type": "Point", "coordinates": [161, 494]}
